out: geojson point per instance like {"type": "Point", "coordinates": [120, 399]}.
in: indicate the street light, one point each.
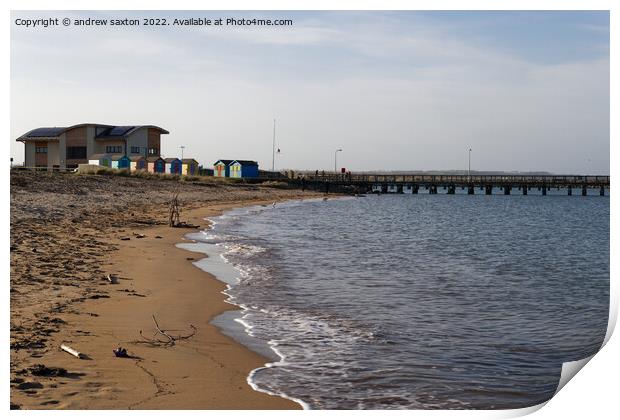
{"type": "Point", "coordinates": [336, 160]}
{"type": "Point", "coordinates": [273, 148]}
{"type": "Point", "coordinates": [182, 147]}
{"type": "Point", "coordinates": [469, 167]}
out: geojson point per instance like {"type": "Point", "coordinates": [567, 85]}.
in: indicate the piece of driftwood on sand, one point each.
{"type": "Point", "coordinates": [72, 351]}
{"type": "Point", "coordinates": [170, 339]}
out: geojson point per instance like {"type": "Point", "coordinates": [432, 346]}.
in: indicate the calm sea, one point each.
{"type": "Point", "coordinates": [415, 301]}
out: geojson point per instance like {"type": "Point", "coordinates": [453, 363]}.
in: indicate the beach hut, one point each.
{"type": "Point", "coordinates": [205, 171]}
{"type": "Point", "coordinates": [189, 166]}
{"type": "Point", "coordinates": [156, 164]}
{"type": "Point", "coordinates": [137, 162]}
{"type": "Point", "coordinates": [120, 162]}
{"type": "Point", "coordinates": [100, 159]}
{"type": "Point", "coordinates": [221, 168]}
{"type": "Point", "coordinates": [173, 166]}
{"type": "Point", "coordinates": [243, 169]}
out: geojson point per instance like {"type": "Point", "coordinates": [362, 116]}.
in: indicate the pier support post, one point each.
{"type": "Point", "coordinates": [414, 189]}
{"type": "Point", "coordinates": [507, 190]}
{"type": "Point", "coordinates": [544, 190]}
{"type": "Point", "coordinates": [470, 189]}
{"type": "Point", "coordinates": [602, 193]}
{"type": "Point", "coordinates": [584, 190]}
{"type": "Point", "coordinates": [451, 189]}
{"type": "Point", "coordinates": [524, 188]}
{"type": "Point", "coordinates": [488, 190]}
{"type": "Point", "coordinates": [399, 189]}
{"type": "Point", "coordinates": [570, 190]}
{"type": "Point", "coordinates": [432, 189]}
{"type": "Point", "coordinates": [384, 188]}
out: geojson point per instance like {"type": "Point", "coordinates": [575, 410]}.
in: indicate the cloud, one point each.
{"type": "Point", "coordinates": [411, 93]}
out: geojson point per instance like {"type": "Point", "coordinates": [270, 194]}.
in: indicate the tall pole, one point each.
{"type": "Point", "coordinates": [469, 168]}
{"type": "Point", "coordinates": [182, 148]}
{"type": "Point", "coordinates": [273, 148]}
{"type": "Point", "coordinates": [336, 160]}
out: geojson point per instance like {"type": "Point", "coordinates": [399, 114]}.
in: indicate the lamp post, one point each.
{"type": "Point", "coordinates": [182, 147]}
{"type": "Point", "coordinates": [273, 148]}
{"type": "Point", "coordinates": [336, 160]}
{"type": "Point", "coordinates": [469, 167]}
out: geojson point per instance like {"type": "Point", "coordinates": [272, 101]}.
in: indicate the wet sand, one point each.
{"type": "Point", "coordinates": [59, 294]}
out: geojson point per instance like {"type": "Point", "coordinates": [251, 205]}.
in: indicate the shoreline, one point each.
{"type": "Point", "coordinates": [230, 322]}
{"type": "Point", "coordinates": [209, 370]}
{"type": "Point", "coordinates": [238, 308]}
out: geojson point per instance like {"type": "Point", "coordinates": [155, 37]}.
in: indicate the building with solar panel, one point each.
{"type": "Point", "coordinates": [67, 147]}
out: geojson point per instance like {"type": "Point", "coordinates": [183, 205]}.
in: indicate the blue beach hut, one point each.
{"type": "Point", "coordinates": [120, 161]}
{"type": "Point", "coordinates": [156, 164]}
{"type": "Point", "coordinates": [173, 166]}
{"type": "Point", "coordinates": [244, 169]}
{"type": "Point", "coordinates": [137, 162]}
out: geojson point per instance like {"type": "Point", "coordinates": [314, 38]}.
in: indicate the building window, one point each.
{"type": "Point", "coordinates": [40, 149]}
{"type": "Point", "coordinates": [114, 149]}
{"type": "Point", "coordinates": [135, 149]}
{"type": "Point", "coordinates": [76, 152]}
{"type": "Point", "coordinates": [153, 151]}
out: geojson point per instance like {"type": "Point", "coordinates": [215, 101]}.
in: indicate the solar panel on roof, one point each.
{"type": "Point", "coordinates": [46, 132]}
{"type": "Point", "coordinates": [120, 130]}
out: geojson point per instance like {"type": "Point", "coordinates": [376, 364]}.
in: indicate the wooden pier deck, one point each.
{"type": "Point", "coordinates": [385, 183]}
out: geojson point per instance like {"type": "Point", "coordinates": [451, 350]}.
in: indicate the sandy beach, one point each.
{"type": "Point", "coordinates": [68, 232]}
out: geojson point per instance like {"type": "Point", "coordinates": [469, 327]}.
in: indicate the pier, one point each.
{"type": "Point", "coordinates": [473, 184]}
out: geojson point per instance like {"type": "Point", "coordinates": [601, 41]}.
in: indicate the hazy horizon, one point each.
{"type": "Point", "coordinates": [526, 91]}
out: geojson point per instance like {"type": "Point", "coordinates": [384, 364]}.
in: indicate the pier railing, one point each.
{"type": "Point", "coordinates": [362, 183]}
{"type": "Point", "coordinates": [551, 180]}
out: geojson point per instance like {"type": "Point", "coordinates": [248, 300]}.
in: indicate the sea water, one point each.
{"type": "Point", "coordinates": [415, 301]}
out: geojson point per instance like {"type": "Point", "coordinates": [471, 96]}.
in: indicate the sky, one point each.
{"type": "Point", "coordinates": [526, 91]}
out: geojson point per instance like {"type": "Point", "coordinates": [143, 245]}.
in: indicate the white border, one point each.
{"type": "Point", "coordinates": [592, 394]}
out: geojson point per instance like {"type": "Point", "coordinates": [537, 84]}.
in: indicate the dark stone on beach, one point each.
{"type": "Point", "coordinates": [98, 297]}
{"type": "Point", "coordinates": [28, 343]}
{"type": "Point", "coordinates": [42, 370]}
{"type": "Point", "coordinates": [190, 258]}
{"type": "Point", "coordinates": [15, 406]}
{"type": "Point", "coordinates": [50, 402]}
{"type": "Point", "coordinates": [158, 237]}
{"type": "Point", "coordinates": [125, 239]}
{"type": "Point", "coordinates": [29, 385]}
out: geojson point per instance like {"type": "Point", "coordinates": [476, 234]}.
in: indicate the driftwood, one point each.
{"type": "Point", "coordinates": [71, 351]}
{"type": "Point", "coordinates": [169, 339]}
